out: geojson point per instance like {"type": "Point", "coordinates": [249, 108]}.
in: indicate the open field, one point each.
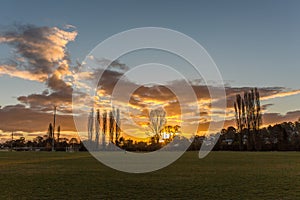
{"type": "Point", "coordinates": [221, 175]}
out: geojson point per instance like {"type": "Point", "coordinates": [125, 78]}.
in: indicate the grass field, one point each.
{"type": "Point", "coordinates": [221, 175]}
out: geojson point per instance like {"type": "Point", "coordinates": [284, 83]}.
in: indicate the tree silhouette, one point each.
{"type": "Point", "coordinates": [239, 107]}
{"type": "Point", "coordinates": [157, 118]}
{"type": "Point", "coordinates": [104, 127]}
{"type": "Point", "coordinates": [279, 137]}
{"type": "Point", "coordinates": [97, 128]}
{"type": "Point", "coordinates": [50, 131]}
{"type": "Point", "coordinates": [91, 126]}
{"type": "Point", "coordinates": [252, 104]}
{"type": "Point", "coordinates": [118, 125]}
{"type": "Point", "coordinates": [58, 133]}
{"type": "Point", "coordinates": [53, 136]}
{"type": "Point", "coordinates": [111, 126]}
{"type": "Point", "coordinates": [73, 142]}
{"type": "Point", "coordinates": [248, 115]}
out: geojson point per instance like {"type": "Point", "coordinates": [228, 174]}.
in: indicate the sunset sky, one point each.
{"type": "Point", "coordinates": [253, 43]}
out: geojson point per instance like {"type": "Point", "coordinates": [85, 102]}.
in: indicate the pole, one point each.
{"type": "Point", "coordinates": [12, 139]}
{"type": "Point", "coordinates": [54, 120]}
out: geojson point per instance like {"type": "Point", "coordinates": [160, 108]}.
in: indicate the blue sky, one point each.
{"type": "Point", "coordinates": [241, 36]}
{"type": "Point", "coordinates": [254, 43]}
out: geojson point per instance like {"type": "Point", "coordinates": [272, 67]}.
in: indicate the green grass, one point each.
{"type": "Point", "coordinates": [221, 175]}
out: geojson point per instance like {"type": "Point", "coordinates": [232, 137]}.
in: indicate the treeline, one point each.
{"type": "Point", "coordinates": [249, 136]}
{"type": "Point", "coordinates": [43, 144]}
{"type": "Point", "coordinates": [279, 137]}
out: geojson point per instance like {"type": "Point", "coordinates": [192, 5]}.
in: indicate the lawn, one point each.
{"type": "Point", "coordinates": [221, 175]}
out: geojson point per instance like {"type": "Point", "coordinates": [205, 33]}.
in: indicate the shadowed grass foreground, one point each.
{"type": "Point", "coordinates": [221, 175]}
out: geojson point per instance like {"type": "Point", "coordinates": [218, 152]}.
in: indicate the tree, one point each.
{"type": "Point", "coordinates": [39, 141]}
{"type": "Point", "coordinates": [104, 127]}
{"type": "Point", "coordinates": [20, 142]}
{"type": "Point", "coordinates": [239, 107]}
{"type": "Point", "coordinates": [248, 115]}
{"type": "Point", "coordinates": [58, 133]}
{"type": "Point", "coordinates": [73, 142]}
{"type": "Point", "coordinates": [91, 125]}
{"type": "Point", "coordinates": [231, 132]}
{"type": "Point", "coordinates": [111, 126]}
{"type": "Point", "coordinates": [253, 116]}
{"type": "Point", "coordinates": [157, 118]}
{"type": "Point", "coordinates": [50, 131]}
{"type": "Point", "coordinates": [53, 136]}
{"type": "Point", "coordinates": [97, 128]}
{"type": "Point", "coordinates": [118, 125]}
{"type": "Point", "coordinates": [170, 131]}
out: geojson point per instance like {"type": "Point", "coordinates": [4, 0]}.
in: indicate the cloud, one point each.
{"type": "Point", "coordinates": [19, 118]}
{"type": "Point", "coordinates": [276, 118]}
{"type": "Point", "coordinates": [40, 54]}
{"type": "Point", "coordinates": [17, 134]}
{"type": "Point", "coordinates": [266, 93]}
{"type": "Point", "coordinates": [37, 50]}
{"type": "Point", "coordinates": [144, 97]}
{"type": "Point", "coordinates": [281, 94]}
{"type": "Point", "coordinates": [13, 71]}
{"type": "Point", "coordinates": [45, 102]}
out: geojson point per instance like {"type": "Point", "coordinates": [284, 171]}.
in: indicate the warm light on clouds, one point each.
{"type": "Point", "coordinates": [12, 71]}
{"type": "Point", "coordinates": [40, 54]}
{"type": "Point", "coordinates": [281, 94]}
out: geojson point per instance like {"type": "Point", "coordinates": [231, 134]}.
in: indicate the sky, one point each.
{"type": "Point", "coordinates": [253, 43]}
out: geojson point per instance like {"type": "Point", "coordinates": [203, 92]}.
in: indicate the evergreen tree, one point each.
{"type": "Point", "coordinates": [248, 115]}
{"type": "Point", "coordinates": [104, 127]}
{"type": "Point", "coordinates": [118, 125]}
{"type": "Point", "coordinates": [97, 128]}
{"type": "Point", "coordinates": [91, 125]}
{"type": "Point", "coordinates": [111, 126]}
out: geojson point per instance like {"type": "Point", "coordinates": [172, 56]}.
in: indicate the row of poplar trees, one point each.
{"type": "Point", "coordinates": [248, 119]}
{"type": "Point", "coordinates": [105, 126]}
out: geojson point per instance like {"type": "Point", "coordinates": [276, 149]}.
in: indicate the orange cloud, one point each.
{"type": "Point", "coordinates": [281, 94]}
{"type": "Point", "coordinates": [12, 71]}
